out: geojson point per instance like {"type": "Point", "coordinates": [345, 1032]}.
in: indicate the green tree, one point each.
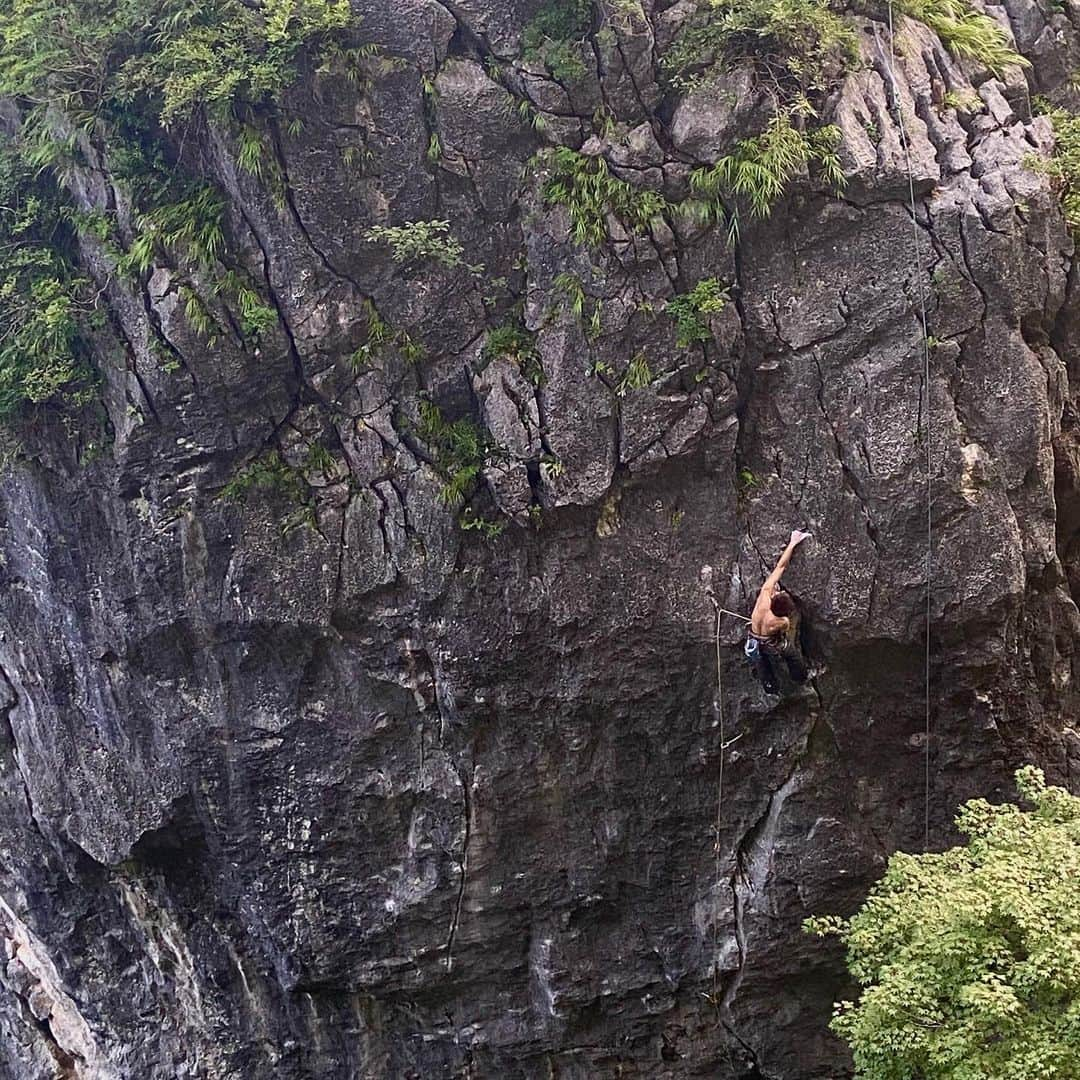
{"type": "Point", "coordinates": [970, 959]}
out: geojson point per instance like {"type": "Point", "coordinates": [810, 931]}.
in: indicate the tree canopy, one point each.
{"type": "Point", "coordinates": [970, 959]}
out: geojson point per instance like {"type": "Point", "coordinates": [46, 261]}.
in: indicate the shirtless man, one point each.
{"type": "Point", "coordinates": [774, 625]}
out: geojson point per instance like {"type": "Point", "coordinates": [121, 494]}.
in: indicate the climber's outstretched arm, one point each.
{"type": "Point", "coordinates": [797, 537]}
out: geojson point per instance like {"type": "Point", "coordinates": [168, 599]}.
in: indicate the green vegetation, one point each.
{"type": "Point", "coordinates": [585, 187]}
{"type": "Point", "coordinates": [459, 451]}
{"type": "Point", "coordinates": [967, 33]}
{"type": "Point", "coordinates": [571, 288]}
{"type": "Point", "coordinates": [528, 113]}
{"type": "Point", "coordinates": [970, 959]}
{"type": "Point", "coordinates": [215, 55]}
{"type": "Point", "coordinates": [555, 38]}
{"type": "Point", "coordinates": [269, 473]}
{"type": "Point", "coordinates": [604, 121]}
{"type": "Point", "coordinates": [621, 16]}
{"type": "Point", "coordinates": [418, 240]}
{"type": "Point", "coordinates": [637, 375]}
{"type": "Point", "coordinates": [470, 521]}
{"type": "Point", "coordinates": [1063, 167]}
{"type": "Point", "coordinates": [380, 337]}
{"type": "Point", "coordinates": [514, 342]}
{"type": "Point", "coordinates": [172, 215]}
{"type": "Point", "coordinates": [122, 74]}
{"type": "Point", "coordinates": [273, 476]}
{"type": "Point", "coordinates": [691, 311]}
{"type": "Point", "coordinates": [45, 305]}
{"type": "Point", "coordinates": [798, 47]}
{"type": "Point", "coordinates": [760, 168]}
{"type": "Point", "coordinates": [89, 59]}
{"type": "Point", "coordinates": [746, 480]}
{"type": "Point", "coordinates": [256, 317]}
{"type": "Point", "coordinates": [962, 101]}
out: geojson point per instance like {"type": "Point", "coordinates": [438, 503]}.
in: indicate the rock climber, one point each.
{"type": "Point", "coordinates": [774, 627]}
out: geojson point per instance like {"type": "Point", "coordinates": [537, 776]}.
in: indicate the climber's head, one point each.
{"type": "Point", "coordinates": [782, 606]}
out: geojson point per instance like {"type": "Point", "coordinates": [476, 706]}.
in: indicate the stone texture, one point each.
{"type": "Point", "coordinates": [373, 796]}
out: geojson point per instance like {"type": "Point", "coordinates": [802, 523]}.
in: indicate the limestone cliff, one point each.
{"type": "Point", "coordinates": [317, 782]}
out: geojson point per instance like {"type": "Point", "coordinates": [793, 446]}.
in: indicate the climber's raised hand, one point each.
{"type": "Point", "coordinates": [797, 537]}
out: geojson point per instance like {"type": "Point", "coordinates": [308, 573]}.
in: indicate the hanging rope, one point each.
{"type": "Point", "coordinates": [925, 414]}
{"type": "Point", "coordinates": [719, 805]}
{"type": "Point", "coordinates": [724, 744]}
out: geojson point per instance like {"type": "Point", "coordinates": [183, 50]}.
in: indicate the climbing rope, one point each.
{"type": "Point", "coordinates": [719, 806]}
{"type": "Point", "coordinates": [925, 413]}
{"type": "Point", "coordinates": [720, 613]}
{"type": "Point", "coordinates": [733, 614]}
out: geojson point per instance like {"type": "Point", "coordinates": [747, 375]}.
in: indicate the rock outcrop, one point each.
{"type": "Point", "coordinates": [337, 788]}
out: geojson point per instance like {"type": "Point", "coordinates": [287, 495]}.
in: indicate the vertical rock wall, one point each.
{"type": "Point", "coordinates": [374, 796]}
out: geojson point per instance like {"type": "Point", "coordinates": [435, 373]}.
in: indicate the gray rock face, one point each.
{"type": "Point", "coordinates": [342, 789]}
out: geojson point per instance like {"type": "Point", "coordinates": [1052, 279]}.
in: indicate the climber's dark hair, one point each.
{"type": "Point", "coordinates": [782, 605]}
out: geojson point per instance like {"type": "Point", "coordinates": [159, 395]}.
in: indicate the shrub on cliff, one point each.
{"type": "Point", "coordinates": [555, 38]}
{"type": "Point", "coordinates": [1063, 166]}
{"type": "Point", "coordinates": [108, 81]}
{"type": "Point", "coordinates": [84, 57]}
{"type": "Point", "coordinates": [970, 959]}
{"type": "Point", "coordinates": [43, 299]}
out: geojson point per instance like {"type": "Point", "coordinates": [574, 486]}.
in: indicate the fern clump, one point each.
{"type": "Point", "coordinates": [459, 451]}
{"type": "Point", "coordinates": [275, 478]}
{"type": "Point", "coordinates": [967, 101]}
{"type": "Point", "coordinates": [269, 473]}
{"type": "Point", "coordinates": [800, 49]}
{"type": "Point", "coordinates": [570, 289]}
{"type": "Point", "coordinates": [416, 241]}
{"type": "Point", "coordinates": [691, 311]}
{"type": "Point", "coordinates": [585, 187]}
{"type": "Point", "coordinates": [123, 74]}
{"type": "Point", "coordinates": [555, 38]}
{"type": "Point", "coordinates": [184, 218]}
{"type": "Point", "coordinates": [760, 168]}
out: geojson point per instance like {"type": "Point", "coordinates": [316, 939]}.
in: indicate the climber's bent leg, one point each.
{"type": "Point", "coordinates": [796, 664]}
